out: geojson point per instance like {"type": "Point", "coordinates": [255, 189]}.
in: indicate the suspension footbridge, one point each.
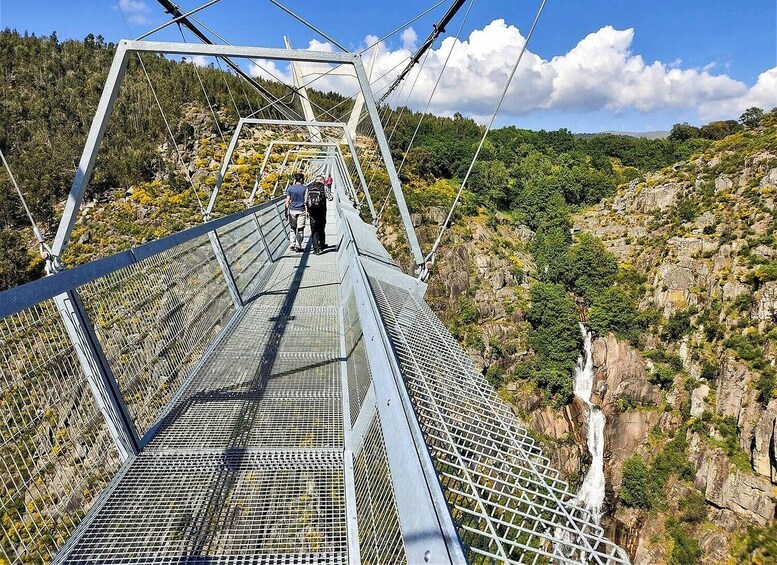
{"type": "Point", "coordinates": [212, 397]}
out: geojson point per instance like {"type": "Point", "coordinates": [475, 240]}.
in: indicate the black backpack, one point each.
{"type": "Point", "coordinates": [316, 196]}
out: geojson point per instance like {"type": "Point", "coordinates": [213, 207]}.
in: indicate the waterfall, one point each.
{"type": "Point", "coordinates": [591, 493]}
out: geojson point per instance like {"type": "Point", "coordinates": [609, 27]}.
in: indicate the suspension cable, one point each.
{"type": "Point", "coordinates": [204, 92]}
{"type": "Point", "coordinates": [172, 137]}
{"type": "Point", "coordinates": [404, 107]}
{"type": "Point", "coordinates": [176, 20]}
{"type": "Point", "coordinates": [430, 257]}
{"type": "Point", "coordinates": [293, 90]}
{"type": "Point", "coordinates": [311, 26]}
{"type": "Point", "coordinates": [436, 84]}
{"type": "Point", "coordinates": [44, 248]}
{"type": "Point", "coordinates": [428, 103]}
{"type": "Point", "coordinates": [437, 30]}
{"type": "Point", "coordinates": [248, 100]}
{"type": "Point", "coordinates": [229, 90]}
{"type": "Point", "coordinates": [404, 25]}
{"type": "Point", "coordinates": [172, 9]}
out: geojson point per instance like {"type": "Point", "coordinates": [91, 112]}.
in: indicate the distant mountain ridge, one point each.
{"type": "Point", "coordinates": [659, 134]}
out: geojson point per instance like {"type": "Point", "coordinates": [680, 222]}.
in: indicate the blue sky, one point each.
{"type": "Point", "coordinates": [591, 66]}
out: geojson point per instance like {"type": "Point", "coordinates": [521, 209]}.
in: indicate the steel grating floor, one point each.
{"type": "Point", "coordinates": [247, 465]}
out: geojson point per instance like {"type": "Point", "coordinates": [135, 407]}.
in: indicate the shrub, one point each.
{"type": "Point", "coordinates": [495, 375]}
{"type": "Point", "coordinates": [765, 387]}
{"type": "Point", "coordinates": [744, 302]}
{"type": "Point", "coordinates": [635, 486]}
{"type": "Point", "coordinates": [709, 371]}
{"type": "Point", "coordinates": [678, 325]}
{"type": "Point", "coordinates": [673, 459]}
{"type": "Point", "coordinates": [662, 376]}
{"type": "Point", "coordinates": [686, 550]}
{"type": "Point", "coordinates": [675, 362]}
{"type": "Point", "coordinates": [591, 268]}
{"type": "Point", "coordinates": [760, 545]}
{"type": "Point", "coordinates": [693, 508]}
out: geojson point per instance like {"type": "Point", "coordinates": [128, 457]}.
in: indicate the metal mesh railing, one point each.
{"type": "Point", "coordinates": [509, 504]}
{"type": "Point", "coordinates": [380, 539]}
{"type": "Point", "coordinates": [244, 252]}
{"type": "Point", "coordinates": [274, 229]}
{"type": "Point", "coordinates": [56, 453]}
{"type": "Point", "coordinates": [359, 377]}
{"type": "Point", "coordinates": [154, 319]}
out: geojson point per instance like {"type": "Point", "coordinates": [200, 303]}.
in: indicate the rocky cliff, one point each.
{"type": "Point", "coordinates": [693, 398]}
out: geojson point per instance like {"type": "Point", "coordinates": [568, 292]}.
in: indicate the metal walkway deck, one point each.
{"type": "Point", "coordinates": [249, 459]}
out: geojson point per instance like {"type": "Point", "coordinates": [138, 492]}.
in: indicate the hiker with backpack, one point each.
{"type": "Point", "coordinates": [295, 212]}
{"type": "Point", "coordinates": [315, 203]}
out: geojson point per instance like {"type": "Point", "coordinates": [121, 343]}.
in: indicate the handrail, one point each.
{"type": "Point", "coordinates": [29, 294]}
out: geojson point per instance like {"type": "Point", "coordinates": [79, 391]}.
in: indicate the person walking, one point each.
{"type": "Point", "coordinates": [295, 212]}
{"type": "Point", "coordinates": [315, 203]}
{"type": "Point", "coordinates": [328, 183]}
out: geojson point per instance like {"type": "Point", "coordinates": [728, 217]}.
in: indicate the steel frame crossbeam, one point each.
{"type": "Point", "coordinates": [114, 79]}
{"type": "Point", "coordinates": [299, 123]}
{"type": "Point", "coordinates": [331, 145]}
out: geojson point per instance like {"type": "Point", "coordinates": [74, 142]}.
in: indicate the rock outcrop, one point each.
{"type": "Point", "coordinates": [725, 486]}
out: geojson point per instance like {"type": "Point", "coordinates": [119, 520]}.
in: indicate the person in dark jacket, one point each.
{"type": "Point", "coordinates": [315, 203]}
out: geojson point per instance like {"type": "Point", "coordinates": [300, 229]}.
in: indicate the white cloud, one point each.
{"type": "Point", "coordinates": [409, 38]}
{"type": "Point", "coordinates": [762, 94]}
{"type": "Point", "coordinates": [600, 73]}
{"type": "Point", "coordinates": [269, 70]}
{"type": "Point", "coordinates": [136, 11]}
{"type": "Point", "coordinates": [198, 60]}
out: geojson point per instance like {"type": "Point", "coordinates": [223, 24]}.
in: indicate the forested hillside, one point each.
{"type": "Point", "coordinates": [674, 272]}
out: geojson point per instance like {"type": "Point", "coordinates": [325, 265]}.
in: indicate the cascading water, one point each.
{"type": "Point", "coordinates": [591, 493]}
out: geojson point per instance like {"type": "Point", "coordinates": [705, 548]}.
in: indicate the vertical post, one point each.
{"type": "Point", "coordinates": [280, 172]}
{"type": "Point", "coordinates": [350, 183]}
{"type": "Point", "coordinates": [262, 238]}
{"type": "Point", "coordinates": [89, 155]}
{"type": "Point", "coordinates": [224, 167]}
{"type": "Point", "coordinates": [267, 153]}
{"type": "Point", "coordinates": [98, 373]}
{"type": "Point", "coordinates": [307, 109]}
{"type": "Point", "coordinates": [358, 105]}
{"type": "Point", "coordinates": [357, 164]}
{"type": "Point", "coordinates": [225, 270]}
{"type": "Point", "coordinates": [385, 151]}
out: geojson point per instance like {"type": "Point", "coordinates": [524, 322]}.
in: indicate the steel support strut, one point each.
{"type": "Point", "coordinates": [385, 150]}
{"type": "Point", "coordinates": [98, 373]}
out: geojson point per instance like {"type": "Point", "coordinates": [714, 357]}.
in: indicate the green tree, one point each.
{"type": "Point", "coordinates": [682, 132]}
{"type": "Point", "coordinates": [490, 180]}
{"type": "Point", "coordinates": [613, 311]}
{"type": "Point", "coordinates": [751, 118]}
{"type": "Point", "coordinates": [555, 329]}
{"type": "Point", "coordinates": [591, 268]}
{"type": "Point", "coordinates": [686, 550]}
{"type": "Point", "coordinates": [549, 247]}
{"type": "Point", "coordinates": [720, 129]}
